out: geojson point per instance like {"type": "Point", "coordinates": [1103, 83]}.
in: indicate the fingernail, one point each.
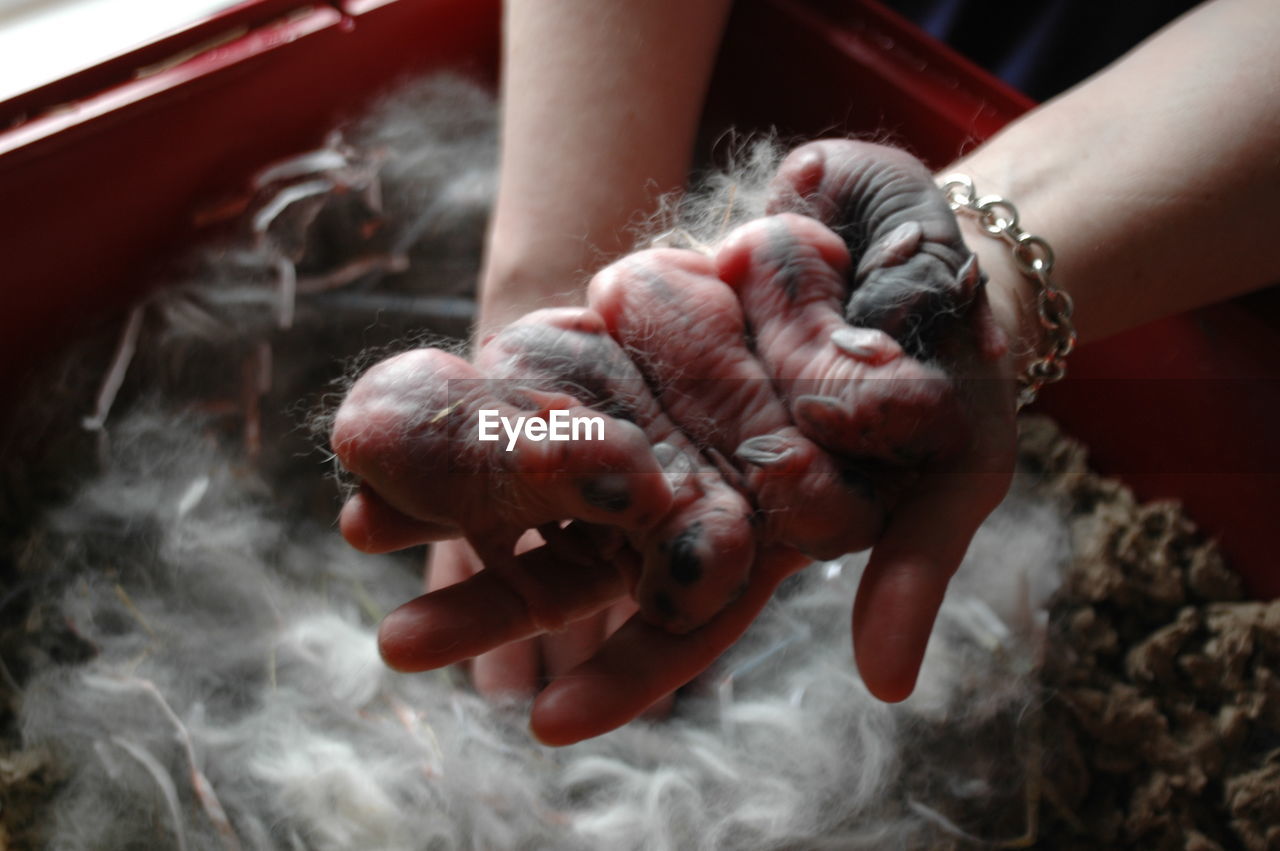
{"type": "Point", "coordinates": [665, 453]}
{"type": "Point", "coordinates": [763, 451]}
{"type": "Point", "coordinates": [823, 415]}
{"type": "Point", "coordinates": [676, 465]}
{"type": "Point", "coordinates": [811, 402]}
{"type": "Point", "coordinates": [866, 344]}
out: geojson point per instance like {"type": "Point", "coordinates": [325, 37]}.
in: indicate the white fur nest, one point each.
{"type": "Point", "coordinates": [237, 697]}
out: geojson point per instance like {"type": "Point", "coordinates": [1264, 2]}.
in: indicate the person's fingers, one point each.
{"type": "Point", "coordinates": [614, 617]}
{"type": "Point", "coordinates": [904, 583]}
{"type": "Point", "coordinates": [513, 668]}
{"type": "Point", "coordinates": [372, 526]}
{"type": "Point", "coordinates": [577, 573]}
{"type": "Point", "coordinates": [852, 390]}
{"type": "Point", "coordinates": [486, 610]}
{"type": "Point", "coordinates": [684, 329]}
{"type": "Point", "coordinates": [559, 651]}
{"type": "Point", "coordinates": [640, 664]}
{"type": "Point", "coordinates": [411, 427]}
{"type": "Point", "coordinates": [450, 562]}
{"type": "Point", "coordinates": [618, 614]}
{"type": "Point", "coordinates": [698, 555]}
{"type": "Point", "coordinates": [571, 646]}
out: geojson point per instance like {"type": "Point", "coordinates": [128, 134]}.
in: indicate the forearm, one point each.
{"type": "Point", "coordinates": [1156, 181]}
{"type": "Point", "coordinates": [600, 108]}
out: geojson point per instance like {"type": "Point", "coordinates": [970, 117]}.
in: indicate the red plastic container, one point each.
{"type": "Point", "coordinates": [107, 173]}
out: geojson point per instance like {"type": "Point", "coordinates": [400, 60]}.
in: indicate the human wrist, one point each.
{"type": "Point", "coordinates": [505, 296]}
{"type": "Point", "coordinates": [522, 273]}
{"type": "Point", "coordinates": [1011, 294]}
{"type": "Point", "coordinates": [1034, 312]}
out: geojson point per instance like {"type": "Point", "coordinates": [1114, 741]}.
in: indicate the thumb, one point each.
{"type": "Point", "coordinates": [904, 583]}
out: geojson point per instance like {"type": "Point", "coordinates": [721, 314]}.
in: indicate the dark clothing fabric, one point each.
{"type": "Point", "coordinates": [1042, 48]}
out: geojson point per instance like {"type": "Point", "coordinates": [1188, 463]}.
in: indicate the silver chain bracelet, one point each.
{"type": "Point", "coordinates": [1034, 258]}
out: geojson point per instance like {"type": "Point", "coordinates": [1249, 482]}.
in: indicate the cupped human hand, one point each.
{"type": "Point", "coordinates": [831, 377]}
{"type": "Point", "coordinates": [947, 425]}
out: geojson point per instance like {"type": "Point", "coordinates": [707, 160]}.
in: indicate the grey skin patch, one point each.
{"type": "Point", "coordinates": [684, 564]}
{"type": "Point", "coordinates": [819, 413]}
{"type": "Point", "coordinates": [608, 492]}
{"type": "Point", "coordinates": [657, 282]}
{"type": "Point", "coordinates": [918, 302]}
{"type": "Point", "coordinates": [584, 365]}
{"type": "Point", "coordinates": [781, 248]}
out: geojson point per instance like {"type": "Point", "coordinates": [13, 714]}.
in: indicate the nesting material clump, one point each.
{"type": "Point", "coordinates": [1164, 683]}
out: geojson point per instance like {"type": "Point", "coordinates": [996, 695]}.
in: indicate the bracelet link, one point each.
{"type": "Point", "coordinates": [1033, 255]}
{"type": "Point", "coordinates": [997, 215]}
{"type": "Point", "coordinates": [1034, 258]}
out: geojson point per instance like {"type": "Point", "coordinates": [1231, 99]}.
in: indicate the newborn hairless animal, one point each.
{"type": "Point", "coordinates": [800, 393]}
